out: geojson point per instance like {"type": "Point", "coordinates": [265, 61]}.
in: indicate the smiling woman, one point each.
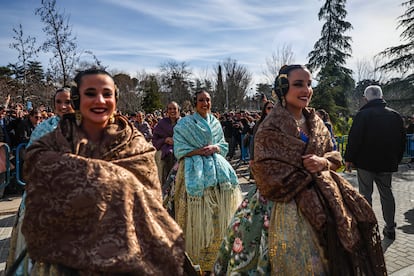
{"type": "Point", "coordinates": [93, 202]}
{"type": "Point", "coordinates": [97, 108]}
{"type": "Point", "coordinates": [303, 219]}
{"type": "Point", "coordinates": [206, 186]}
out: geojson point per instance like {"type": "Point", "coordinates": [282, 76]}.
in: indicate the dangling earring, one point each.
{"type": "Point", "coordinates": [112, 118]}
{"type": "Point", "coordinates": [78, 117]}
{"type": "Point", "coordinates": [283, 102]}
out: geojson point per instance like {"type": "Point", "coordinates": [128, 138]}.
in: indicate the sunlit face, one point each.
{"type": "Point", "coordinates": [172, 111]}
{"type": "Point", "coordinates": [97, 100]}
{"type": "Point", "coordinates": [300, 90]}
{"type": "Point", "coordinates": [36, 118]}
{"type": "Point", "coordinates": [140, 117]}
{"type": "Point", "coordinates": [62, 103]}
{"type": "Point", "coordinates": [203, 106]}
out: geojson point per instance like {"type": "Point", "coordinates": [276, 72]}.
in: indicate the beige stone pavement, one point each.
{"type": "Point", "coordinates": [399, 254]}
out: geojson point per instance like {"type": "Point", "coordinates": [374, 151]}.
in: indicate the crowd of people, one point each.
{"type": "Point", "coordinates": [152, 194]}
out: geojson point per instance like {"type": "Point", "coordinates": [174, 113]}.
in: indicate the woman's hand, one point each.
{"type": "Point", "coordinates": [314, 163]}
{"type": "Point", "coordinates": [205, 151]}
{"type": "Point", "coordinates": [169, 141]}
{"type": "Point", "coordinates": [209, 150]}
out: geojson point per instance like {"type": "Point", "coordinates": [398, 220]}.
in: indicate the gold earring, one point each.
{"type": "Point", "coordinates": [112, 118]}
{"type": "Point", "coordinates": [282, 101]}
{"type": "Point", "coordinates": [78, 117]}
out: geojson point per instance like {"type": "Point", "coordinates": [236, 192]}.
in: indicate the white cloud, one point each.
{"type": "Point", "coordinates": [132, 34]}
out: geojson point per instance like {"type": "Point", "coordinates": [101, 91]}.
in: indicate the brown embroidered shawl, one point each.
{"type": "Point", "coordinates": [325, 198]}
{"type": "Point", "coordinates": [98, 209]}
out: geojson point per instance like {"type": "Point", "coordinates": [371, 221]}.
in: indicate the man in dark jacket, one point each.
{"type": "Point", "coordinates": [375, 147]}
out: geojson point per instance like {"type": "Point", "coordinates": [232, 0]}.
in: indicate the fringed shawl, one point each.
{"type": "Point", "coordinates": [280, 176]}
{"type": "Point", "coordinates": [201, 172]}
{"type": "Point", "coordinates": [98, 209]}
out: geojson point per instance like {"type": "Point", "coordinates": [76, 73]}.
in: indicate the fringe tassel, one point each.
{"type": "Point", "coordinates": [220, 201]}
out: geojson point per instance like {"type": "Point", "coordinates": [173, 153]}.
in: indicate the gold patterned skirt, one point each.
{"type": "Point", "coordinates": [293, 245]}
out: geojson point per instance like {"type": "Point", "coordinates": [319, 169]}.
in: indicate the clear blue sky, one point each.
{"type": "Point", "coordinates": [136, 35]}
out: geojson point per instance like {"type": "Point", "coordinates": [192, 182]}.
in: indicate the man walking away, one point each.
{"type": "Point", "coordinates": [375, 147]}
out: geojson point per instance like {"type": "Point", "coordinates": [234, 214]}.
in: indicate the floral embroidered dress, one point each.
{"type": "Point", "coordinates": [245, 247]}
{"type": "Point", "coordinates": [297, 233]}
{"type": "Point", "coordinates": [244, 250]}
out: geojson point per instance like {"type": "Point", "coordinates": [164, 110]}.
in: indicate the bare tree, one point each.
{"type": "Point", "coordinates": [281, 56]}
{"type": "Point", "coordinates": [84, 64]}
{"type": "Point", "coordinates": [129, 95]}
{"type": "Point", "coordinates": [363, 69]}
{"type": "Point", "coordinates": [60, 40]}
{"type": "Point", "coordinates": [27, 50]}
{"type": "Point", "coordinates": [237, 81]}
{"type": "Point", "coordinates": [369, 69]}
{"type": "Point", "coordinates": [175, 80]}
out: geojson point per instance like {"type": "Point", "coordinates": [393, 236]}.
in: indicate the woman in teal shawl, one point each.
{"type": "Point", "coordinates": [206, 186]}
{"type": "Point", "coordinates": [62, 105]}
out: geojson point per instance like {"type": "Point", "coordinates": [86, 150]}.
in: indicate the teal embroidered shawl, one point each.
{"type": "Point", "coordinates": [201, 172]}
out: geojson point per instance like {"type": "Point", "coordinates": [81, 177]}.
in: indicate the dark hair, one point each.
{"type": "Point", "coordinates": [91, 71]}
{"type": "Point", "coordinates": [59, 90]}
{"type": "Point", "coordinates": [281, 85]}
{"type": "Point", "coordinates": [174, 102]}
{"type": "Point", "coordinates": [34, 111]}
{"type": "Point", "coordinates": [324, 115]}
{"type": "Point", "coordinates": [264, 114]}
{"type": "Point", "coordinates": [196, 94]}
{"type": "Point", "coordinates": [75, 97]}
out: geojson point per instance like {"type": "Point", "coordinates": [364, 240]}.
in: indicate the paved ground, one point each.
{"type": "Point", "coordinates": [399, 254]}
{"type": "Point", "coordinates": [8, 209]}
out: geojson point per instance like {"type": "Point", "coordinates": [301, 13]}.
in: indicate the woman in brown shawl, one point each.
{"type": "Point", "coordinates": [319, 224]}
{"type": "Point", "coordinates": [93, 201]}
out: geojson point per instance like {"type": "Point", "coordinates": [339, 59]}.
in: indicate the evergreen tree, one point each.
{"type": "Point", "coordinates": [220, 96]}
{"type": "Point", "coordinates": [35, 72]}
{"type": "Point", "coordinates": [329, 57]}
{"type": "Point", "coordinates": [152, 97]}
{"type": "Point", "coordinates": [402, 56]}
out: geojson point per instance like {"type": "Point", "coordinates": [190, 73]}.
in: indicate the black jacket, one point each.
{"type": "Point", "coordinates": [376, 141]}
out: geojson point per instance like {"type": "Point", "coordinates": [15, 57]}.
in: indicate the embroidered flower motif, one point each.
{"type": "Point", "coordinates": [236, 226]}
{"type": "Point", "coordinates": [237, 245]}
{"type": "Point", "coordinates": [266, 221]}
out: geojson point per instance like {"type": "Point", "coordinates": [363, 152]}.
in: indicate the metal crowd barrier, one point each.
{"type": "Point", "coordinates": [6, 160]}
{"type": "Point", "coordinates": [9, 172]}
{"type": "Point", "coordinates": [19, 163]}
{"type": "Point", "coordinates": [342, 141]}
{"type": "Point", "coordinates": [409, 146]}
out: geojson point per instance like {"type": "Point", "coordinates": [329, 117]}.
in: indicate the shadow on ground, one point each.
{"type": "Point", "coordinates": [409, 218]}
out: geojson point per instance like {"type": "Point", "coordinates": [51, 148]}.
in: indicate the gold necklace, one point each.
{"type": "Point", "coordinates": [301, 121]}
